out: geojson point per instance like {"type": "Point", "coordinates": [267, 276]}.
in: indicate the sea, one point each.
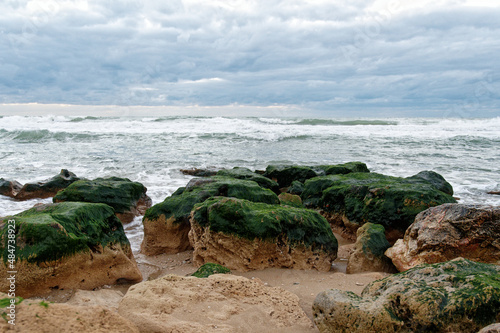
{"type": "Point", "coordinates": [153, 150]}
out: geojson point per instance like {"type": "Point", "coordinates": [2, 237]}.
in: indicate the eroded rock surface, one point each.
{"type": "Point", "coordinates": [449, 231]}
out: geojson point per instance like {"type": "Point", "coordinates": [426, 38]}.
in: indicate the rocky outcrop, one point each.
{"type": "Point", "coordinates": [47, 188]}
{"type": "Point", "coordinates": [71, 245]}
{"type": "Point", "coordinates": [219, 303]}
{"type": "Point", "coordinates": [127, 198]}
{"type": "Point", "coordinates": [493, 328]}
{"type": "Point", "coordinates": [348, 201]}
{"type": "Point", "coordinates": [368, 253]}
{"type": "Point", "coordinates": [244, 235]}
{"type": "Point", "coordinates": [199, 172]}
{"type": "Point", "coordinates": [247, 174]}
{"type": "Point", "coordinates": [449, 231]}
{"type": "Point", "coordinates": [285, 175]}
{"type": "Point", "coordinates": [40, 316]}
{"type": "Point", "coordinates": [456, 296]}
{"type": "Point", "coordinates": [166, 225]}
{"type": "Point", "coordinates": [9, 188]}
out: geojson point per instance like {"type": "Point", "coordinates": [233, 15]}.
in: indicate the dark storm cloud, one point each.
{"type": "Point", "coordinates": [352, 57]}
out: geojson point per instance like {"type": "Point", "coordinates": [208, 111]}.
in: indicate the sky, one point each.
{"type": "Point", "coordinates": [356, 58]}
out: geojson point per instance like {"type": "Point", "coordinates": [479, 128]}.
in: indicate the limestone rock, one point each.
{"type": "Point", "coordinates": [245, 235]}
{"type": "Point", "coordinates": [348, 201]}
{"type": "Point", "coordinates": [368, 254]}
{"type": "Point", "coordinates": [493, 328]}
{"type": "Point", "coordinates": [449, 231]}
{"type": "Point", "coordinates": [219, 303]}
{"type": "Point", "coordinates": [107, 298]}
{"type": "Point", "coordinates": [70, 245]}
{"type": "Point", "coordinates": [47, 188]}
{"type": "Point", "coordinates": [9, 188]}
{"type": "Point", "coordinates": [291, 200]}
{"type": "Point", "coordinates": [127, 198]}
{"type": "Point", "coordinates": [455, 296]}
{"type": "Point", "coordinates": [166, 225]}
{"type": "Point", "coordinates": [284, 175]}
{"type": "Point", "coordinates": [247, 174]}
{"type": "Point", "coordinates": [35, 316]}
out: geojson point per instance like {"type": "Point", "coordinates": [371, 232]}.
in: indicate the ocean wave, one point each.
{"type": "Point", "coordinates": [354, 122]}
{"type": "Point", "coordinates": [37, 136]}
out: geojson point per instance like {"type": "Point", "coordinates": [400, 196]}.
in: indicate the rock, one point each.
{"type": "Point", "coordinates": [247, 174]}
{"type": "Point", "coordinates": [291, 200]}
{"type": "Point", "coordinates": [127, 198]}
{"type": "Point", "coordinates": [435, 179]}
{"type": "Point", "coordinates": [210, 269]}
{"type": "Point", "coordinates": [296, 188]}
{"type": "Point", "coordinates": [199, 172]}
{"type": "Point", "coordinates": [286, 174]}
{"type": "Point", "coordinates": [348, 201]}
{"type": "Point", "coordinates": [70, 245]}
{"type": "Point", "coordinates": [449, 231]}
{"type": "Point", "coordinates": [494, 192]}
{"type": "Point", "coordinates": [47, 188]}
{"type": "Point", "coordinates": [9, 188]}
{"type": "Point", "coordinates": [166, 225]}
{"type": "Point", "coordinates": [219, 303]}
{"type": "Point", "coordinates": [368, 254]}
{"type": "Point", "coordinates": [244, 235]}
{"type": "Point", "coordinates": [493, 328]}
{"type": "Point", "coordinates": [38, 316]}
{"type": "Point", "coordinates": [338, 169]}
{"type": "Point", "coordinates": [456, 296]}
{"type": "Point", "coordinates": [107, 298]}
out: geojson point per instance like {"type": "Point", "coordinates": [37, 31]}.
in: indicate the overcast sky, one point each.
{"type": "Point", "coordinates": [330, 58]}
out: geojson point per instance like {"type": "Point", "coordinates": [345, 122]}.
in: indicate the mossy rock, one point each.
{"type": "Point", "coordinates": [119, 193]}
{"type": "Point", "coordinates": [370, 197]}
{"type": "Point", "coordinates": [210, 269]}
{"type": "Point", "coordinates": [50, 232]}
{"type": "Point", "coordinates": [180, 205]}
{"type": "Point", "coordinates": [291, 200]}
{"type": "Point", "coordinates": [254, 220]}
{"type": "Point", "coordinates": [286, 174]}
{"type": "Point", "coordinates": [435, 179]}
{"type": "Point", "coordinates": [247, 174]}
{"type": "Point", "coordinates": [341, 169]}
{"type": "Point", "coordinates": [455, 296]}
{"type": "Point", "coordinates": [296, 188]}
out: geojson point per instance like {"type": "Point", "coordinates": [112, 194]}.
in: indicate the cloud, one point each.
{"type": "Point", "coordinates": [332, 57]}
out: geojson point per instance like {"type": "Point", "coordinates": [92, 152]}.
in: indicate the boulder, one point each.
{"type": "Point", "coordinates": [455, 296]}
{"type": "Point", "coordinates": [219, 303]}
{"type": "Point", "coordinates": [449, 231]}
{"type": "Point", "coordinates": [244, 235]}
{"type": "Point", "coordinates": [291, 200]}
{"type": "Point", "coordinates": [284, 175]}
{"type": "Point", "coordinates": [41, 316]}
{"type": "Point", "coordinates": [70, 245]}
{"type": "Point", "coordinates": [210, 269]}
{"type": "Point", "coordinates": [435, 179]}
{"type": "Point", "coordinates": [341, 169]}
{"type": "Point", "coordinates": [199, 172]}
{"type": "Point", "coordinates": [368, 253]}
{"type": "Point", "coordinates": [247, 174]}
{"type": "Point", "coordinates": [166, 225]}
{"type": "Point", "coordinates": [47, 188]}
{"type": "Point", "coordinates": [127, 198]}
{"type": "Point", "coordinates": [9, 188]}
{"type": "Point", "coordinates": [348, 201]}
{"type": "Point", "coordinates": [296, 188]}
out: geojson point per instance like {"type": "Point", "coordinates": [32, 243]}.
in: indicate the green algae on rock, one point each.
{"type": "Point", "coordinates": [62, 245]}
{"type": "Point", "coordinates": [127, 198]}
{"type": "Point", "coordinates": [284, 175]}
{"type": "Point", "coordinates": [47, 188]}
{"type": "Point", "coordinates": [292, 200]}
{"type": "Point", "coordinates": [210, 269]}
{"type": "Point", "coordinates": [166, 225]}
{"type": "Point", "coordinates": [368, 255]}
{"type": "Point", "coordinates": [247, 174]}
{"type": "Point", "coordinates": [456, 296]}
{"type": "Point", "coordinates": [356, 198]}
{"type": "Point", "coordinates": [258, 235]}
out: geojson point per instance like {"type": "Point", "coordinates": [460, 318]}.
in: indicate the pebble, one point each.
{"type": "Point", "coordinates": [360, 284]}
